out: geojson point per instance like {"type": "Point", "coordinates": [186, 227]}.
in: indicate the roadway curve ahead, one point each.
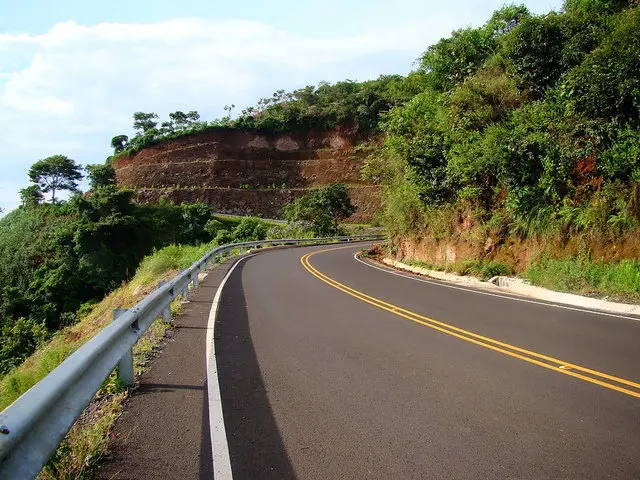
{"type": "Point", "coordinates": [320, 382]}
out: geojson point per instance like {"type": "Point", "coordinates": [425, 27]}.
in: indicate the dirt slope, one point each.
{"type": "Point", "coordinates": [247, 173]}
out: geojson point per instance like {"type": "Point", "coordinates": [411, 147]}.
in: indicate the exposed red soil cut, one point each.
{"type": "Point", "coordinates": [247, 173]}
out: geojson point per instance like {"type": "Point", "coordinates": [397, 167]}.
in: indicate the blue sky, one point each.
{"type": "Point", "coordinates": [72, 72]}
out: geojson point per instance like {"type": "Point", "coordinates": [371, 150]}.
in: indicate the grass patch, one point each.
{"type": "Point", "coordinates": [229, 222]}
{"type": "Point", "coordinates": [87, 441]}
{"type": "Point", "coordinates": [483, 269]}
{"type": "Point", "coordinates": [147, 345]}
{"type": "Point", "coordinates": [618, 280]}
{"type": "Point", "coordinates": [171, 258]}
{"type": "Point", "coordinates": [420, 264]}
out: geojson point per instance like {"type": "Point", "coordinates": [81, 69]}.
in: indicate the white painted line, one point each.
{"type": "Point", "coordinates": [219, 445]}
{"type": "Point", "coordinates": [480, 292]}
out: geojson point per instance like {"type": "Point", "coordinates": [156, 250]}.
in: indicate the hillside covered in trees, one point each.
{"type": "Point", "coordinates": [523, 145]}
{"type": "Point", "coordinates": [529, 122]}
{"type": "Point", "coordinates": [59, 258]}
{"type": "Point", "coordinates": [356, 106]}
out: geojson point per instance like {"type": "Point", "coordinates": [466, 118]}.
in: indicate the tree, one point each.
{"type": "Point", "coordinates": [250, 229]}
{"type": "Point", "coordinates": [322, 209]}
{"type": "Point", "coordinates": [117, 143]}
{"type": "Point", "coordinates": [179, 119]}
{"type": "Point", "coordinates": [31, 196]}
{"type": "Point", "coordinates": [55, 173]}
{"type": "Point", "coordinates": [144, 122]}
{"type": "Point", "coordinates": [183, 121]}
{"type": "Point", "coordinates": [607, 84]}
{"type": "Point", "coordinates": [229, 109]}
{"type": "Point", "coordinates": [452, 59]}
{"type": "Point", "coordinates": [534, 52]}
{"type": "Point", "coordinates": [195, 217]}
{"type": "Point", "coordinates": [101, 176]}
{"type": "Point", "coordinates": [193, 116]}
{"type": "Point", "coordinates": [19, 340]}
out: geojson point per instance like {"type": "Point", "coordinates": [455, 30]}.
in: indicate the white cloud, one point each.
{"type": "Point", "coordinates": [70, 89]}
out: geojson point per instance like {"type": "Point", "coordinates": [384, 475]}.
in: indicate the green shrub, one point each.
{"type": "Point", "coordinates": [195, 219]}
{"type": "Point", "coordinates": [321, 210]}
{"type": "Point", "coordinates": [223, 237]}
{"type": "Point", "coordinates": [19, 340]}
{"type": "Point", "coordinates": [250, 229]}
{"type": "Point", "coordinates": [213, 226]}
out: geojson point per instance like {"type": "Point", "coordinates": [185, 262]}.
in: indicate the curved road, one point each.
{"type": "Point", "coordinates": [332, 369]}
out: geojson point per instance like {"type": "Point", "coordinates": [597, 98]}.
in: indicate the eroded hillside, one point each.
{"type": "Point", "coordinates": [247, 173]}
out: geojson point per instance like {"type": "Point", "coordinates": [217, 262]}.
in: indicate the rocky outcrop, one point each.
{"type": "Point", "coordinates": [247, 173]}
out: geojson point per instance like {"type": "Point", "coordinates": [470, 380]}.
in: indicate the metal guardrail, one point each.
{"type": "Point", "coordinates": [33, 426]}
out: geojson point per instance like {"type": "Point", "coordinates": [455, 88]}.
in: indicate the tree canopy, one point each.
{"type": "Point", "coordinates": [55, 173]}
{"type": "Point", "coordinates": [101, 175]}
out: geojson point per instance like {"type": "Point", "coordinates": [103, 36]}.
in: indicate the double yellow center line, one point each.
{"type": "Point", "coordinates": [604, 380]}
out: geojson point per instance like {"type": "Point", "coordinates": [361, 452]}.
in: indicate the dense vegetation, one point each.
{"type": "Point", "coordinates": [526, 126]}
{"type": "Point", "coordinates": [321, 210]}
{"type": "Point", "coordinates": [58, 259]}
{"type": "Point", "coordinates": [523, 149]}
{"type": "Point", "coordinates": [357, 105]}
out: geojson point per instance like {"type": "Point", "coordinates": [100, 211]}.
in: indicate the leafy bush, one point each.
{"type": "Point", "coordinates": [249, 230]}
{"type": "Point", "coordinates": [195, 218]}
{"type": "Point", "coordinates": [321, 210]}
{"type": "Point", "coordinates": [223, 237]}
{"type": "Point", "coordinates": [19, 340]}
{"type": "Point", "coordinates": [212, 226]}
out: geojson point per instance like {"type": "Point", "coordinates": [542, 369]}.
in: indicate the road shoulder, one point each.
{"type": "Point", "coordinates": [164, 430]}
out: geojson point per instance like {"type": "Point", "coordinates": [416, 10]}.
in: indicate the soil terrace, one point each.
{"type": "Point", "coordinates": [246, 173]}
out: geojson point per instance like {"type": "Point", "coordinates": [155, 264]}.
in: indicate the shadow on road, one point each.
{"type": "Point", "coordinates": [206, 462]}
{"type": "Point", "coordinates": [255, 445]}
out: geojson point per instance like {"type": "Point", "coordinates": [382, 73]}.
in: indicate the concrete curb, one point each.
{"type": "Point", "coordinates": [522, 287]}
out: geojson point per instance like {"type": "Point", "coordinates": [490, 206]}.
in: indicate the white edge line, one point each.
{"type": "Point", "coordinates": [219, 445]}
{"type": "Point", "coordinates": [508, 297]}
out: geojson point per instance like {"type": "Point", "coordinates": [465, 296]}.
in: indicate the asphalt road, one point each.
{"type": "Point", "coordinates": [319, 382]}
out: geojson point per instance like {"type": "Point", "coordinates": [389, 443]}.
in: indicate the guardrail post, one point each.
{"type": "Point", "coordinates": [166, 313]}
{"type": "Point", "coordinates": [125, 365]}
{"type": "Point", "coordinates": [187, 288]}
